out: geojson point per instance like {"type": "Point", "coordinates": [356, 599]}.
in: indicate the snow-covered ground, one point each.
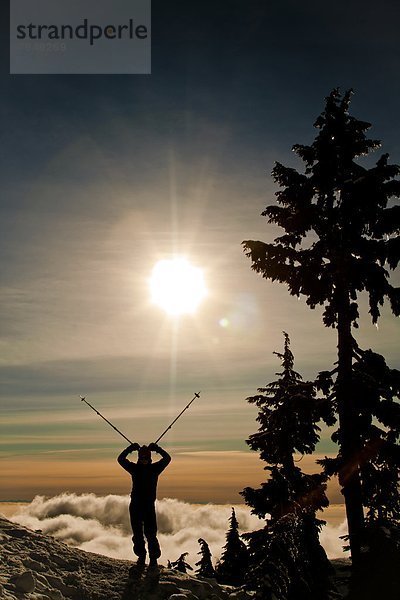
{"type": "Point", "coordinates": [35, 566]}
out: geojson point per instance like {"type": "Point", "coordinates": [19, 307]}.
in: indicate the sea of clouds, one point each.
{"type": "Point", "coordinates": [101, 524]}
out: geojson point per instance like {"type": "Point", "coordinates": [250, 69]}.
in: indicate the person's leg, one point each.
{"type": "Point", "coordinates": [150, 531]}
{"type": "Point", "coordinates": [136, 516]}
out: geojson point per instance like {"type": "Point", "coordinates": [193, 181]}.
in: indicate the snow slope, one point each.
{"type": "Point", "coordinates": [34, 566]}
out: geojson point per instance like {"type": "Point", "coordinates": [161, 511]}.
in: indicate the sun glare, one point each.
{"type": "Point", "coordinates": [177, 286]}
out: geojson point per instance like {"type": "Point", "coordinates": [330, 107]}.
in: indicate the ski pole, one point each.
{"type": "Point", "coordinates": [196, 395]}
{"type": "Point", "coordinates": [83, 398]}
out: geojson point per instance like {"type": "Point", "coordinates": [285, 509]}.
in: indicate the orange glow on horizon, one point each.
{"type": "Point", "coordinates": [215, 477]}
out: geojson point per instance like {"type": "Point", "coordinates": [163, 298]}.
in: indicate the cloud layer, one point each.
{"type": "Point", "coordinates": [101, 524]}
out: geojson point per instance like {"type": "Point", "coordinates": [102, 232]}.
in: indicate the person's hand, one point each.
{"type": "Point", "coordinates": [134, 446]}
{"type": "Point", "coordinates": [153, 447]}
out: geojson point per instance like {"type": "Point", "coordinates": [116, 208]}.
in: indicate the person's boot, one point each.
{"type": "Point", "coordinates": [141, 561]}
{"type": "Point", "coordinates": [153, 564]}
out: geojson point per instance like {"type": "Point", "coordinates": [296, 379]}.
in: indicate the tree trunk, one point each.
{"type": "Point", "coordinates": [349, 474]}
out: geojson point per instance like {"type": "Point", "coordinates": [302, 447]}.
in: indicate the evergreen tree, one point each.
{"type": "Point", "coordinates": [232, 567]}
{"type": "Point", "coordinates": [205, 565]}
{"type": "Point", "coordinates": [376, 390]}
{"type": "Point", "coordinates": [340, 239]}
{"type": "Point", "coordinates": [286, 559]}
{"type": "Point", "coordinates": [181, 565]}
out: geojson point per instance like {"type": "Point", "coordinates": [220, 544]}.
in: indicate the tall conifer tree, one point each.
{"type": "Point", "coordinates": [286, 559]}
{"type": "Point", "coordinates": [376, 393]}
{"type": "Point", "coordinates": [340, 238]}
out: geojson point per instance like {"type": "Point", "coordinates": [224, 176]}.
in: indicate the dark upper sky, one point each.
{"type": "Point", "coordinates": [260, 68]}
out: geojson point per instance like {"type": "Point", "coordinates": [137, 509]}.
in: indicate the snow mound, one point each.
{"type": "Point", "coordinates": [34, 566]}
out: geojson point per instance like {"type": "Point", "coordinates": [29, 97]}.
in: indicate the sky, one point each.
{"type": "Point", "coordinates": [102, 176]}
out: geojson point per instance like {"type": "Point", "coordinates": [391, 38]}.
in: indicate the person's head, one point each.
{"type": "Point", "coordinates": [144, 455]}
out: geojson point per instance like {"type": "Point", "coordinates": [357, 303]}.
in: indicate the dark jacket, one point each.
{"type": "Point", "coordinates": [144, 477]}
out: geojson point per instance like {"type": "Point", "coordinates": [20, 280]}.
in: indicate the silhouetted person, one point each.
{"type": "Point", "coordinates": [143, 496]}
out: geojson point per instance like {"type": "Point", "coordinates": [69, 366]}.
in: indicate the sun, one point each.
{"type": "Point", "coordinates": [177, 286]}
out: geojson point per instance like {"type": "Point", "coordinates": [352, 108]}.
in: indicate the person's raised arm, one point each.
{"type": "Point", "coordinates": [122, 458]}
{"type": "Point", "coordinates": [166, 458]}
